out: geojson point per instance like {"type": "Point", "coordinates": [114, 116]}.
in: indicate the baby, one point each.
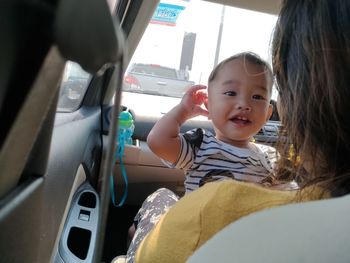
{"type": "Point", "coordinates": [238, 104]}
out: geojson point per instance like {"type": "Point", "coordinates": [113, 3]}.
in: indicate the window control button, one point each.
{"type": "Point", "coordinates": [84, 215]}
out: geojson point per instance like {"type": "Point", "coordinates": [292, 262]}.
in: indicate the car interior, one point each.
{"type": "Point", "coordinates": [61, 92]}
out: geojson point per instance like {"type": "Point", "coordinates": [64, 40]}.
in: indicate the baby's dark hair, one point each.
{"type": "Point", "coordinates": [246, 56]}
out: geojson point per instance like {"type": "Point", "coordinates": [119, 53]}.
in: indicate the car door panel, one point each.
{"type": "Point", "coordinates": [69, 150]}
{"type": "Point", "coordinates": [79, 233]}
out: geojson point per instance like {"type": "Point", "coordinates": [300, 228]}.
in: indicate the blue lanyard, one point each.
{"type": "Point", "coordinates": [118, 156]}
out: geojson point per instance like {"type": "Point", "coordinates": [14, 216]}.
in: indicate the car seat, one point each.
{"type": "Point", "coordinates": [315, 231]}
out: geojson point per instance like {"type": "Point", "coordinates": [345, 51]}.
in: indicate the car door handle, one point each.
{"type": "Point", "coordinates": [162, 83]}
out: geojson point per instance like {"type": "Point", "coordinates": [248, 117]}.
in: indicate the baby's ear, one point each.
{"type": "Point", "coordinates": [207, 107]}
{"type": "Point", "coordinates": [206, 103]}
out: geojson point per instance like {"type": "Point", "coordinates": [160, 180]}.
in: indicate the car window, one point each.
{"type": "Point", "coordinates": [74, 84]}
{"type": "Point", "coordinates": [183, 42]}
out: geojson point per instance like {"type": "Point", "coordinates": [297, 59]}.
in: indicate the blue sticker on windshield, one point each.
{"type": "Point", "coordinates": [166, 14]}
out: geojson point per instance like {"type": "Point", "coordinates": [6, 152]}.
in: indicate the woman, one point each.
{"type": "Point", "coordinates": [311, 61]}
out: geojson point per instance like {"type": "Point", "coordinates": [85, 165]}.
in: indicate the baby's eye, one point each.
{"type": "Point", "coordinates": [230, 93]}
{"type": "Point", "coordinates": [258, 97]}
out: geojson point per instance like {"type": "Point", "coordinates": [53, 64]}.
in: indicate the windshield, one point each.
{"type": "Point", "coordinates": [185, 39]}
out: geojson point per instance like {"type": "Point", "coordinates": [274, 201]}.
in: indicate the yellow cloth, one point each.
{"type": "Point", "coordinates": [199, 215]}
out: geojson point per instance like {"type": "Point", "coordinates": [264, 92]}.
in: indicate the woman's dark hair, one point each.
{"type": "Point", "coordinates": [274, 116]}
{"type": "Point", "coordinates": [248, 56]}
{"type": "Point", "coordinates": [311, 64]}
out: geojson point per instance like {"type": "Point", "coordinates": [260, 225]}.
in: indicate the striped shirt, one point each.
{"type": "Point", "coordinates": [204, 159]}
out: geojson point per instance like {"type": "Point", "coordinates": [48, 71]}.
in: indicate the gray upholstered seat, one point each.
{"type": "Point", "coordinates": [119, 259]}
{"type": "Point", "coordinates": [311, 232]}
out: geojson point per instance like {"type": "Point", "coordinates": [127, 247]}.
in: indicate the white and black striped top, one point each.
{"type": "Point", "coordinates": [204, 159]}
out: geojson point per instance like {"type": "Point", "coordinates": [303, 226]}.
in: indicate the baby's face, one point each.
{"type": "Point", "coordinates": [239, 101]}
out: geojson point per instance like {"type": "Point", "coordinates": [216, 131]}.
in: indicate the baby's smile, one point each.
{"type": "Point", "coordinates": [240, 120]}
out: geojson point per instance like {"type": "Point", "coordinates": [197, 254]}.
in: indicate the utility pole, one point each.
{"type": "Point", "coordinates": [218, 43]}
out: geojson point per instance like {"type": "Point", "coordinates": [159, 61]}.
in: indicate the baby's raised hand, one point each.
{"type": "Point", "coordinates": [193, 99]}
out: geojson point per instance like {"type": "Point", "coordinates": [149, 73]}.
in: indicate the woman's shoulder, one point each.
{"type": "Point", "coordinates": [197, 216]}
{"type": "Point", "coordinates": [226, 201]}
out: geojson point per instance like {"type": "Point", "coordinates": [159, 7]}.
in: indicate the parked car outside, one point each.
{"type": "Point", "coordinates": [156, 80]}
